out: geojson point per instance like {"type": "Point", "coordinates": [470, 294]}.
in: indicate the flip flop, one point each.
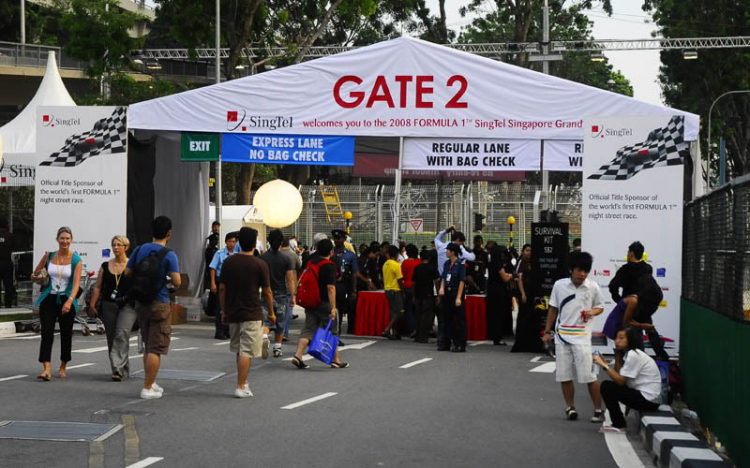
{"type": "Point", "coordinates": [44, 376]}
{"type": "Point", "coordinates": [299, 363]}
{"type": "Point", "coordinates": [62, 375]}
{"type": "Point", "coordinates": [117, 378]}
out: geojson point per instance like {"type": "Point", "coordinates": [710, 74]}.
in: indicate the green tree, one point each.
{"type": "Point", "coordinates": [42, 23]}
{"type": "Point", "coordinates": [98, 31]}
{"type": "Point", "coordinates": [522, 22]}
{"type": "Point", "coordinates": [693, 85]}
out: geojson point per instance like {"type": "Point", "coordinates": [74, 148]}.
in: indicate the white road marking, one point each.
{"type": "Point", "coordinates": [309, 400]}
{"type": "Point", "coordinates": [223, 342]}
{"type": "Point", "coordinates": [546, 368]}
{"type": "Point", "coordinates": [184, 349]}
{"type": "Point", "coordinates": [136, 356]}
{"type": "Point", "coordinates": [478, 343]}
{"type": "Point", "coordinates": [415, 363]}
{"type": "Point", "coordinates": [32, 337]}
{"type": "Point", "coordinates": [145, 462]}
{"type": "Point", "coordinates": [536, 359]}
{"type": "Point", "coordinates": [13, 377]}
{"type": "Point", "coordinates": [362, 345]}
{"type": "Point", "coordinates": [620, 448]}
{"type": "Point", "coordinates": [104, 348]}
{"type": "Point", "coordinates": [81, 365]}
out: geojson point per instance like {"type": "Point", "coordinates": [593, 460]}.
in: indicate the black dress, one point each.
{"type": "Point", "coordinates": [529, 323]}
{"type": "Point", "coordinates": [499, 304]}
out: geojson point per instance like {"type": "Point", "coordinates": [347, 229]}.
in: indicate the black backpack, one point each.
{"type": "Point", "coordinates": [147, 277]}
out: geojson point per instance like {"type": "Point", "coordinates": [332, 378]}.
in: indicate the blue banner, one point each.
{"type": "Point", "coordinates": [311, 150]}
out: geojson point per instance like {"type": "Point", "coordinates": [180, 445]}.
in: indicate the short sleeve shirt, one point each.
{"type": "Point", "coordinates": [423, 280]}
{"type": "Point", "coordinates": [346, 262]}
{"type": "Point", "coordinates": [391, 275]}
{"type": "Point", "coordinates": [218, 260]}
{"type": "Point", "coordinates": [453, 275]}
{"type": "Point", "coordinates": [278, 265]}
{"type": "Point", "coordinates": [243, 276]}
{"type": "Point", "coordinates": [570, 301]}
{"type": "Point", "coordinates": [407, 269]}
{"type": "Point", "coordinates": [643, 374]}
{"type": "Point", "coordinates": [169, 265]}
{"type": "Point", "coordinates": [326, 276]}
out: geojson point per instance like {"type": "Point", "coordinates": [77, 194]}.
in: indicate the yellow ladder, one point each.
{"type": "Point", "coordinates": [331, 201]}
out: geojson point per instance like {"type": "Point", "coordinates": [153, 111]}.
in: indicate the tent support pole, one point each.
{"type": "Point", "coordinates": [219, 193]}
{"type": "Point", "coordinates": [10, 209]}
{"type": "Point", "coordinates": [397, 192]}
{"type": "Point", "coordinates": [545, 70]}
{"type": "Point", "coordinates": [439, 201]}
{"type": "Point", "coordinates": [545, 180]}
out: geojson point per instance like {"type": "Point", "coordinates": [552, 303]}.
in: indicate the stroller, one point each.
{"type": "Point", "coordinates": [83, 323]}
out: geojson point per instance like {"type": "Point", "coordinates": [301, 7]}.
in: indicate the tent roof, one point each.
{"type": "Point", "coordinates": [500, 100]}
{"type": "Point", "coordinates": [20, 133]}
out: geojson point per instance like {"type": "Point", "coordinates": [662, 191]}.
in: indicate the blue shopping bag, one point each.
{"type": "Point", "coordinates": [324, 343]}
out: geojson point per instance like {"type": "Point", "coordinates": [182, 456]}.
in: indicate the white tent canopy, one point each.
{"type": "Point", "coordinates": [19, 134]}
{"type": "Point", "coordinates": [404, 87]}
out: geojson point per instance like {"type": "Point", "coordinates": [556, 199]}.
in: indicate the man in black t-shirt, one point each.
{"type": "Point", "coordinates": [241, 277]}
{"type": "Point", "coordinates": [319, 316]}
{"type": "Point", "coordinates": [425, 280]}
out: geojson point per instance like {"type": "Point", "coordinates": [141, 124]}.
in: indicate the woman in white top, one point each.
{"type": "Point", "coordinates": [636, 380]}
{"type": "Point", "coordinates": [57, 302]}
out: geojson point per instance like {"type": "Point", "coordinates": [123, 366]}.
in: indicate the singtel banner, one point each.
{"type": "Point", "coordinates": [462, 154]}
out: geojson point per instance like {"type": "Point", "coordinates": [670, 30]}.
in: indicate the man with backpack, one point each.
{"type": "Point", "coordinates": [148, 267]}
{"type": "Point", "coordinates": [317, 294]}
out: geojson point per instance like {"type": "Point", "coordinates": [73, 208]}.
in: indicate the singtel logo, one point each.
{"type": "Point", "coordinates": [239, 120]}
{"type": "Point", "coordinates": [49, 120]}
{"type": "Point", "coordinates": [598, 131]}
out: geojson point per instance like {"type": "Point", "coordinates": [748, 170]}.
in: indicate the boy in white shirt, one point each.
{"type": "Point", "coordinates": [573, 304]}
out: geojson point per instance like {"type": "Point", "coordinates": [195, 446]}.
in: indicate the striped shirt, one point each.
{"type": "Point", "coordinates": [570, 301]}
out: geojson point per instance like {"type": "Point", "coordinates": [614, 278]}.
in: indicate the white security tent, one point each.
{"type": "Point", "coordinates": [19, 134]}
{"type": "Point", "coordinates": [405, 88]}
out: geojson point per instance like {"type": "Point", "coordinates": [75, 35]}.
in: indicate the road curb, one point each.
{"type": "Point", "coordinates": [7, 328]}
{"type": "Point", "coordinates": [671, 445]}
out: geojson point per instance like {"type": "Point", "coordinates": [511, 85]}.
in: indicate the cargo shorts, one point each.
{"type": "Point", "coordinates": [155, 320]}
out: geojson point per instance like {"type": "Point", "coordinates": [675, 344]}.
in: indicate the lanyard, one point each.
{"type": "Point", "coordinates": [59, 273]}
{"type": "Point", "coordinates": [117, 278]}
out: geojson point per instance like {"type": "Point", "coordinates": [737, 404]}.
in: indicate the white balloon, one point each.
{"type": "Point", "coordinates": [279, 203]}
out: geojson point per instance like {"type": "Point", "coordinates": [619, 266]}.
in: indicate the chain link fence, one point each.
{"type": "Point", "coordinates": [372, 208]}
{"type": "Point", "coordinates": [716, 257]}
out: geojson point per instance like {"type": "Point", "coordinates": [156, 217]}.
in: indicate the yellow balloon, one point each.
{"type": "Point", "coordinates": [348, 215]}
{"type": "Point", "coordinates": [279, 203]}
{"type": "Point", "coordinates": [511, 220]}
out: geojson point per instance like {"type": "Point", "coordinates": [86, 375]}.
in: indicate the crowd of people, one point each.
{"type": "Point", "coordinates": [254, 294]}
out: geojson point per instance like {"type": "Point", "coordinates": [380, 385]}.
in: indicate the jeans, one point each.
{"type": "Point", "coordinates": [50, 311]}
{"type": "Point", "coordinates": [118, 322]}
{"type": "Point", "coordinates": [215, 305]}
{"type": "Point", "coordinates": [280, 304]}
{"type": "Point", "coordinates": [614, 394]}
{"type": "Point", "coordinates": [289, 316]}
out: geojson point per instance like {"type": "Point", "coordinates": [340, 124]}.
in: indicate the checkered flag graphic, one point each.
{"type": "Point", "coordinates": [664, 146]}
{"type": "Point", "coordinates": [108, 136]}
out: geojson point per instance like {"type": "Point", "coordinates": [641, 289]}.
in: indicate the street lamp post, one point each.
{"type": "Point", "coordinates": [708, 142]}
{"type": "Point", "coordinates": [218, 80]}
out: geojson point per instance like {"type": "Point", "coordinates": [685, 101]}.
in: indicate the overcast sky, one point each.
{"type": "Point", "coordinates": [627, 22]}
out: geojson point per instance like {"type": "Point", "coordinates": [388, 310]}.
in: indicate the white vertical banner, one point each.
{"type": "Point", "coordinates": [563, 155]}
{"type": "Point", "coordinates": [633, 191]}
{"type": "Point", "coordinates": [81, 179]}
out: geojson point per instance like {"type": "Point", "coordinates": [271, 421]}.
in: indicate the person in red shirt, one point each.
{"type": "Point", "coordinates": [407, 270]}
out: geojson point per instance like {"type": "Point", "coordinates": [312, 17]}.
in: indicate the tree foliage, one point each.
{"type": "Point", "coordinates": [521, 21]}
{"type": "Point", "coordinates": [693, 85]}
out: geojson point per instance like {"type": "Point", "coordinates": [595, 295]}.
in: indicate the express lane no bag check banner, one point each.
{"type": "Point", "coordinates": [288, 149]}
{"type": "Point", "coordinates": [451, 154]}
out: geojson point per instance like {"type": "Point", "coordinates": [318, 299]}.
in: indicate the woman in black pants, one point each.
{"type": "Point", "coordinates": [499, 305]}
{"type": "Point", "coordinates": [57, 302]}
{"type": "Point", "coordinates": [452, 304]}
{"type": "Point", "coordinates": [636, 380]}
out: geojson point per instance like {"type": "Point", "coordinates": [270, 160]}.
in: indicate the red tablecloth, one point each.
{"type": "Point", "coordinates": [372, 315]}
{"type": "Point", "coordinates": [476, 318]}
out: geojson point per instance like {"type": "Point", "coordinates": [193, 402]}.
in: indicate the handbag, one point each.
{"type": "Point", "coordinates": [324, 343]}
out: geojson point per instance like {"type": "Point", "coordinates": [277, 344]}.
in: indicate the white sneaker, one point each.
{"type": "Point", "coordinates": [277, 352]}
{"type": "Point", "coordinates": [612, 430]}
{"type": "Point", "coordinates": [243, 392]}
{"type": "Point", "coordinates": [266, 347]}
{"type": "Point", "coordinates": [150, 394]}
{"type": "Point", "coordinates": [156, 387]}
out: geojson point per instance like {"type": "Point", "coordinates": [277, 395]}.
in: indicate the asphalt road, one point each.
{"type": "Point", "coordinates": [481, 409]}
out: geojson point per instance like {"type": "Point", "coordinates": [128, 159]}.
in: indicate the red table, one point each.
{"type": "Point", "coordinates": [372, 315]}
